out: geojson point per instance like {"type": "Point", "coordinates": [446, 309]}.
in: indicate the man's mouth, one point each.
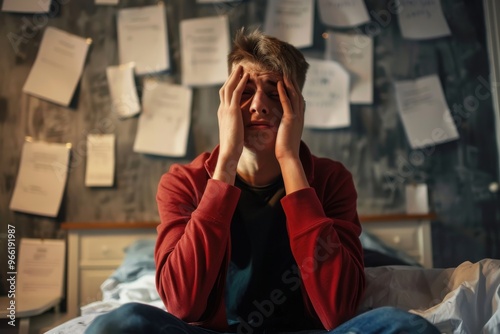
{"type": "Point", "coordinates": [260, 125]}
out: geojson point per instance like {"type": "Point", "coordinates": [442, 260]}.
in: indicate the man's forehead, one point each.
{"type": "Point", "coordinates": [257, 71]}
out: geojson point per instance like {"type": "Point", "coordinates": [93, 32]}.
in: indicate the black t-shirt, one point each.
{"type": "Point", "coordinates": [262, 285]}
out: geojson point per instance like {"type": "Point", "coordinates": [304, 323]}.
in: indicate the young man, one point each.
{"type": "Point", "coordinates": [259, 235]}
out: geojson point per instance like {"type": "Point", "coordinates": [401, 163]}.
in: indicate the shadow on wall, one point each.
{"type": "Point", "coordinates": [452, 246]}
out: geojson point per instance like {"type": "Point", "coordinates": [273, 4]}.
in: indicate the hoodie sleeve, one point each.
{"type": "Point", "coordinates": [192, 241]}
{"type": "Point", "coordinates": [324, 237]}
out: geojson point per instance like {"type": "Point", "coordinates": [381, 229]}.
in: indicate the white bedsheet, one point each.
{"type": "Point", "coordinates": [457, 300]}
{"type": "Point", "coordinates": [462, 300]}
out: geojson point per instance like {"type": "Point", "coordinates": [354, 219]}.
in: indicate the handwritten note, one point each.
{"type": "Point", "coordinates": [326, 92]}
{"type": "Point", "coordinates": [422, 19]}
{"type": "Point", "coordinates": [122, 89]}
{"type": "Point", "coordinates": [164, 123]}
{"type": "Point", "coordinates": [26, 6]}
{"type": "Point", "coordinates": [58, 66]}
{"type": "Point", "coordinates": [41, 179]}
{"type": "Point", "coordinates": [41, 267]}
{"type": "Point", "coordinates": [343, 13]}
{"type": "Point", "coordinates": [355, 53]}
{"type": "Point", "coordinates": [143, 39]}
{"type": "Point", "coordinates": [425, 115]}
{"type": "Point", "coordinates": [204, 49]}
{"type": "Point", "coordinates": [290, 21]}
{"type": "Point", "coordinates": [100, 169]}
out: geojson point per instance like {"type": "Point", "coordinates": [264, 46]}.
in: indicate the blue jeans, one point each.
{"type": "Point", "coordinates": [133, 318]}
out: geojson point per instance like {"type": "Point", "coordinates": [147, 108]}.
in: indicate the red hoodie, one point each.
{"type": "Point", "coordinates": [193, 246]}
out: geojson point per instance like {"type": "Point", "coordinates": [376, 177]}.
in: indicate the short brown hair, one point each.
{"type": "Point", "coordinates": [270, 53]}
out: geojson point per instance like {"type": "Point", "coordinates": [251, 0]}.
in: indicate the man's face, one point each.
{"type": "Point", "coordinates": [261, 107]}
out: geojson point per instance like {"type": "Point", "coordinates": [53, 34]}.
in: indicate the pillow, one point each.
{"type": "Point", "coordinates": [138, 261]}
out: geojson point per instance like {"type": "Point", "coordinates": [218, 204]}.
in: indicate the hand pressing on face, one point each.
{"type": "Point", "coordinates": [231, 130]}
{"type": "Point", "coordinates": [292, 122]}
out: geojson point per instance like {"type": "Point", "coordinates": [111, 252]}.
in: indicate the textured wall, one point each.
{"type": "Point", "coordinates": [374, 147]}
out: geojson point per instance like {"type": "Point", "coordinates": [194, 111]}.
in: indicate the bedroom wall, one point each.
{"type": "Point", "coordinates": [374, 147]}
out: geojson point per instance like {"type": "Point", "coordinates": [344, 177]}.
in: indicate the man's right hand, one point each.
{"type": "Point", "coordinates": [231, 130]}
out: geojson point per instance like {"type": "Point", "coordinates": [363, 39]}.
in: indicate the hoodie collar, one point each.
{"type": "Point", "coordinates": [305, 157]}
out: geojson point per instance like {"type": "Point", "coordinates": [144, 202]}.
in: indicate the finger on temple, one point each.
{"type": "Point", "coordinates": [232, 82]}
{"type": "Point", "coordinates": [238, 90]}
{"type": "Point", "coordinates": [284, 97]}
{"type": "Point", "coordinates": [223, 89]}
{"type": "Point", "coordinates": [282, 89]}
{"type": "Point", "coordinates": [294, 92]}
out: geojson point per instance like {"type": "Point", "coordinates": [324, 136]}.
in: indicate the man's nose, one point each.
{"type": "Point", "coordinates": [259, 103]}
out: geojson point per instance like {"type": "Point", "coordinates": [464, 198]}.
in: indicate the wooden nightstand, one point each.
{"type": "Point", "coordinates": [408, 233]}
{"type": "Point", "coordinates": [95, 250]}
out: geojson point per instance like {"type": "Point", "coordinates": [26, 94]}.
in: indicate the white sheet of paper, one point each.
{"type": "Point", "coordinates": [204, 49]}
{"type": "Point", "coordinates": [425, 115]}
{"type": "Point", "coordinates": [100, 171]}
{"type": "Point", "coordinates": [164, 123]}
{"type": "Point", "coordinates": [26, 6]}
{"type": "Point", "coordinates": [417, 201]}
{"type": "Point", "coordinates": [422, 19]}
{"type": "Point", "coordinates": [121, 83]}
{"type": "Point", "coordinates": [40, 269]}
{"type": "Point", "coordinates": [41, 179]}
{"type": "Point", "coordinates": [290, 21]}
{"type": "Point", "coordinates": [107, 2]}
{"type": "Point", "coordinates": [343, 13]}
{"type": "Point", "coordinates": [58, 66]}
{"type": "Point", "coordinates": [355, 53]}
{"type": "Point", "coordinates": [326, 92]}
{"type": "Point", "coordinates": [143, 39]}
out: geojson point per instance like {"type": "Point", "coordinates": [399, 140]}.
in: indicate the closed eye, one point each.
{"type": "Point", "coordinates": [274, 95]}
{"type": "Point", "coordinates": [246, 95]}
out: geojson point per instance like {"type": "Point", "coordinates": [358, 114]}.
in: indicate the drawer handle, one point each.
{"type": "Point", "coordinates": [396, 239]}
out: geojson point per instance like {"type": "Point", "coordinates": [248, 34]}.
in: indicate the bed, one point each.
{"type": "Point", "coordinates": [464, 299]}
